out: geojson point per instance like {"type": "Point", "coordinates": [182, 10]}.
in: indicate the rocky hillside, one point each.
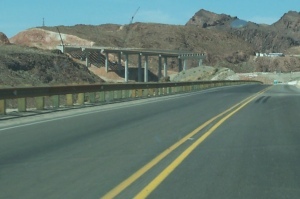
{"type": "Point", "coordinates": [43, 39]}
{"type": "Point", "coordinates": [26, 66]}
{"type": "Point", "coordinates": [227, 41]}
{"type": "Point", "coordinates": [277, 37]}
{"type": "Point", "coordinates": [157, 36]}
{"type": "Point", "coordinates": [207, 19]}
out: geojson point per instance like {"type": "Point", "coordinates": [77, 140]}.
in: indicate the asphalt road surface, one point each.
{"type": "Point", "coordinates": [231, 142]}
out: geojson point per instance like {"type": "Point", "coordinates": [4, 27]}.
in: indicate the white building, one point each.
{"type": "Point", "coordinates": [269, 54]}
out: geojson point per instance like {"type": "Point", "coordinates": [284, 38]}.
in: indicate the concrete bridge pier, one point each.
{"type": "Point", "coordinates": [119, 61]}
{"type": "Point", "coordinates": [87, 59]}
{"type": "Point", "coordinates": [146, 69]}
{"type": "Point", "coordinates": [140, 67]}
{"type": "Point", "coordinates": [184, 64]}
{"type": "Point", "coordinates": [126, 67]}
{"type": "Point", "coordinates": [106, 61]}
{"type": "Point", "coordinates": [200, 62]}
{"type": "Point", "coordinates": [165, 66]}
{"type": "Point", "coordinates": [179, 64]}
{"type": "Point", "coordinates": [86, 53]}
{"type": "Point", "coordinates": [159, 74]}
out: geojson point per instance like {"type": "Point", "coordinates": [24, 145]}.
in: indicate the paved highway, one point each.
{"type": "Point", "coordinates": [233, 142]}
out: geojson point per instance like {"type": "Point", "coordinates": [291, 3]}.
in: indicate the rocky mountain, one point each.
{"type": "Point", "coordinates": [277, 37]}
{"type": "Point", "coordinates": [227, 41]}
{"type": "Point", "coordinates": [289, 21]}
{"type": "Point", "coordinates": [3, 39]}
{"type": "Point", "coordinates": [207, 19]}
{"type": "Point", "coordinates": [217, 46]}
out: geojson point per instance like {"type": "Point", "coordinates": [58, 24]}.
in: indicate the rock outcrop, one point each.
{"type": "Point", "coordinates": [207, 19]}
{"type": "Point", "coordinates": [278, 37]}
{"type": "Point", "coordinates": [3, 39]}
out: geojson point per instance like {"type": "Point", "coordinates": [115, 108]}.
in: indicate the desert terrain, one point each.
{"type": "Point", "coordinates": [30, 58]}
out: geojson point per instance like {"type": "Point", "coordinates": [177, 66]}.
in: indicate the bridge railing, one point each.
{"type": "Point", "coordinates": [79, 95]}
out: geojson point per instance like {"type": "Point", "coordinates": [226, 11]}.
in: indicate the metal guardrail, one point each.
{"type": "Point", "coordinates": [101, 92]}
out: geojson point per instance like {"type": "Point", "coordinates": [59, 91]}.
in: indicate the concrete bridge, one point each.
{"type": "Point", "coordinates": [162, 55]}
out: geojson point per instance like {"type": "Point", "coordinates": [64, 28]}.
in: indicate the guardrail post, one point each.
{"type": "Point", "coordinates": [119, 94]}
{"type": "Point", "coordinates": [123, 94]}
{"type": "Point", "coordinates": [110, 96]}
{"type": "Point", "coordinates": [102, 96]}
{"type": "Point", "coordinates": [159, 91]}
{"type": "Point", "coordinates": [92, 97]}
{"type": "Point", "coordinates": [173, 90]}
{"type": "Point", "coordinates": [169, 90]}
{"type": "Point", "coordinates": [129, 92]}
{"type": "Point", "coordinates": [21, 104]}
{"type": "Point", "coordinates": [80, 98]}
{"type": "Point", "coordinates": [69, 99]}
{"type": "Point", "coordinates": [140, 93]}
{"type": "Point", "coordinates": [126, 94]}
{"type": "Point", "coordinates": [151, 92]}
{"type": "Point", "coordinates": [39, 103]}
{"type": "Point", "coordinates": [156, 91]}
{"type": "Point", "coordinates": [115, 95]}
{"type": "Point", "coordinates": [145, 93]}
{"type": "Point", "coordinates": [55, 101]}
{"type": "Point", "coordinates": [2, 107]}
{"type": "Point", "coordinates": [133, 93]}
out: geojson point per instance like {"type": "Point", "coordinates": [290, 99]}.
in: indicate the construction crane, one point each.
{"type": "Point", "coordinates": [128, 28]}
{"type": "Point", "coordinates": [133, 16]}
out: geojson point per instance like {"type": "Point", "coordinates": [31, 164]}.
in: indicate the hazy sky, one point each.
{"type": "Point", "coordinates": [19, 15]}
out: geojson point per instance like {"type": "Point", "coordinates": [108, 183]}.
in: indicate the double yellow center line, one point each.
{"type": "Point", "coordinates": [168, 170]}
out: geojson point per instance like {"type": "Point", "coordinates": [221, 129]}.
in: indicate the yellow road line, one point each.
{"type": "Point", "coordinates": [169, 169]}
{"type": "Point", "coordinates": [123, 185]}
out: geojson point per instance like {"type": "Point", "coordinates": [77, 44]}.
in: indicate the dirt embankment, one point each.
{"type": "Point", "coordinates": [43, 39]}
{"type": "Point", "coordinates": [204, 73]}
{"type": "Point", "coordinates": [25, 66]}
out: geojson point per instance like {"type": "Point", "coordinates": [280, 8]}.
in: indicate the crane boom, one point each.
{"type": "Point", "coordinates": [134, 15]}
{"type": "Point", "coordinates": [128, 28]}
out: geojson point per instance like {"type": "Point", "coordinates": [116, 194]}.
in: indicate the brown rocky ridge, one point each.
{"type": "Point", "coordinates": [227, 41]}
{"type": "Point", "coordinates": [3, 39]}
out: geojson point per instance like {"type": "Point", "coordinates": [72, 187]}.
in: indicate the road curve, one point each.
{"type": "Point", "coordinates": [252, 150]}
